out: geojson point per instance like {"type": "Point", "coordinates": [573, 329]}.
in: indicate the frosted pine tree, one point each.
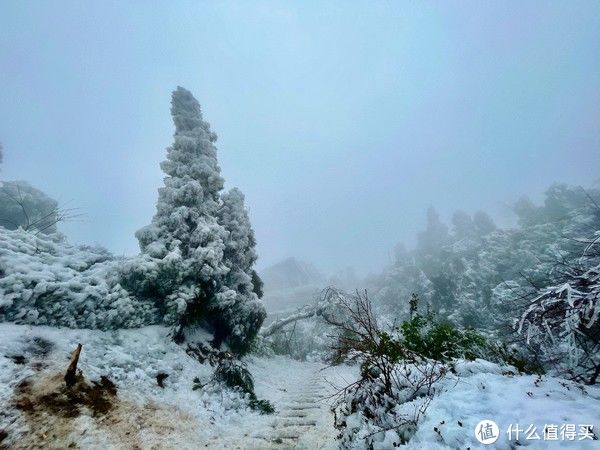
{"type": "Point", "coordinates": [183, 263]}
{"type": "Point", "coordinates": [240, 256]}
{"type": "Point", "coordinates": [185, 225]}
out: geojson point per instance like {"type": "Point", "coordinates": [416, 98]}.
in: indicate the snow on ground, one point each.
{"type": "Point", "coordinates": [145, 415]}
{"type": "Point", "coordinates": [481, 390]}
{"type": "Point", "coordinates": [487, 391]}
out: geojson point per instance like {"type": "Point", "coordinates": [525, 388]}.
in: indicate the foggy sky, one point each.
{"type": "Point", "coordinates": [341, 122]}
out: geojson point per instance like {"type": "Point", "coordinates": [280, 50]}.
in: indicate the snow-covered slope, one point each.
{"type": "Point", "coordinates": [142, 414]}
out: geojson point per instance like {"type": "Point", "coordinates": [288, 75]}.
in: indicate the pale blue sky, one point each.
{"type": "Point", "coordinates": [341, 122]}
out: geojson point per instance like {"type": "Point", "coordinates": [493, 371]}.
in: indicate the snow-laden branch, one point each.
{"type": "Point", "coordinates": [567, 315]}
{"type": "Point", "coordinates": [328, 297]}
{"type": "Point", "coordinates": [304, 313]}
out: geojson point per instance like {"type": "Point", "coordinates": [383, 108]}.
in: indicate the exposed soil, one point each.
{"type": "Point", "coordinates": [51, 395]}
{"type": "Point", "coordinates": [61, 417]}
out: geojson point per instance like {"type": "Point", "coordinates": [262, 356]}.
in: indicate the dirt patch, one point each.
{"type": "Point", "coordinates": [50, 408]}
{"type": "Point", "coordinates": [51, 395]}
{"type": "Point", "coordinates": [91, 414]}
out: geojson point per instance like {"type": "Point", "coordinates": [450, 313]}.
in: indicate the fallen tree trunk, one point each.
{"type": "Point", "coordinates": [71, 375]}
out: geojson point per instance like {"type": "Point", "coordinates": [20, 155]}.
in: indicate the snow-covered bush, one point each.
{"type": "Point", "coordinates": [46, 281]}
{"type": "Point", "coordinates": [370, 414]}
{"type": "Point", "coordinates": [198, 251]}
{"type": "Point", "coordinates": [22, 205]}
{"type": "Point", "coordinates": [396, 383]}
{"type": "Point", "coordinates": [235, 375]}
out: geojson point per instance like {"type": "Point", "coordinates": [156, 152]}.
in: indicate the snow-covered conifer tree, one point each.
{"type": "Point", "coordinates": [435, 235]}
{"type": "Point", "coordinates": [189, 255]}
{"type": "Point", "coordinates": [240, 246]}
{"type": "Point", "coordinates": [185, 224]}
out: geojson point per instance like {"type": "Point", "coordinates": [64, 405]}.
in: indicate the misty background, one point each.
{"type": "Point", "coordinates": [340, 125]}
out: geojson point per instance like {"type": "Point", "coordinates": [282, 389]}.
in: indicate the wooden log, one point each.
{"type": "Point", "coordinates": [71, 375]}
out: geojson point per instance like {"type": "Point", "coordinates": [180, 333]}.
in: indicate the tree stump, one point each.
{"type": "Point", "coordinates": [71, 375]}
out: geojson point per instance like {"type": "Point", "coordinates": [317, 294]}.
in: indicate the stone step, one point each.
{"type": "Point", "coordinates": [294, 414]}
{"type": "Point", "coordinates": [299, 425]}
{"type": "Point", "coordinates": [303, 401]}
{"type": "Point", "coordinates": [283, 443]}
{"type": "Point", "coordinates": [286, 434]}
{"type": "Point", "coordinates": [295, 422]}
{"type": "Point", "coordinates": [301, 407]}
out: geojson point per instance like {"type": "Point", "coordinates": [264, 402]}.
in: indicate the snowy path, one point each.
{"type": "Point", "coordinates": [302, 416]}
{"type": "Point", "coordinates": [302, 419]}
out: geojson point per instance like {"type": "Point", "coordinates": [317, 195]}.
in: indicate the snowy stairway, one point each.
{"type": "Point", "coordinates": [301, 417]}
